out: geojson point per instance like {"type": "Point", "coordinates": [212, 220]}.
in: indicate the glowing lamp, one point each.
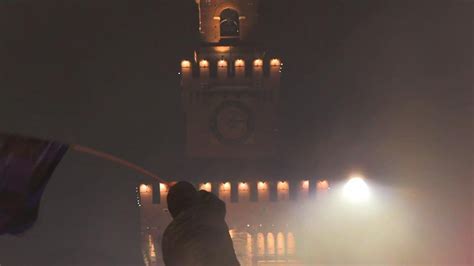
{"type": "Point", "coordinates": [222, 63]}
{"type": "Point", "coordinates": [239, 63]}
{"type": "Point", "coordinates": [356, 190]}
{"type": "Point", "coordinates": [185, 64]}
{"type": "Point", "coordinates": [262, 185]}
{"type": "Point", "coordinates": [204, 63]}
{"type": "Point", "coordinates": [275, 62]}
{"type": "Point", "coordinates": [258, 63]}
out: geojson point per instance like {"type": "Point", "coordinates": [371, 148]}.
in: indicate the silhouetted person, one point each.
{"type": "Point", "coordinates": [198, 234]}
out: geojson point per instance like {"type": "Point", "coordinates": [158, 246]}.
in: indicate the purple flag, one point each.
{"type": "Point", "coordinates": [26, 165]}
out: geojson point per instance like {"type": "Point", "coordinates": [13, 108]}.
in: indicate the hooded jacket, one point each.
{"type": "Point", "coordinates": [199, 235]}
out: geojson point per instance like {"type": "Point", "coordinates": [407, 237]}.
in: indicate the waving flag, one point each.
{"type": "Point", "coordinates": [26, 165]}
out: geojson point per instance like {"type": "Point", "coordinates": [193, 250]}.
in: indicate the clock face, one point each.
{"type": "Point", "coordinates": [232, 122]}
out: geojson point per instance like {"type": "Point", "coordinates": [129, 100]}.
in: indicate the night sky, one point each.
{"type": "Point", "coordinates": [383, 87]}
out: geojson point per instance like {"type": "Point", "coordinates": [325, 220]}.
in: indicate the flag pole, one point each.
{"type": "Point", "coordinates": [115, 159]}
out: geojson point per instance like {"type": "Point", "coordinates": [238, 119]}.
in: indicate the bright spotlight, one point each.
{"type": "Point", "coordinates": [356, 190]}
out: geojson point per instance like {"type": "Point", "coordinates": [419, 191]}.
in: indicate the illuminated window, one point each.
{"type": "Point", "coordinates": [263, 193]}
{"type": "Point", "coordinates": [224, 191]}
{"type": "Point", "coordinates": [163, 192]}
{"type": "Point", "coordinates": [280, 244]}
{"type": "Point", "coordinates": [275, 63]}
{"type": "Point", "coordinates": [304, 189]}
{"type": "Point", "coordinates": [163, 187]}
{"type": "Point", "coordinates": [260, 244]}
{"type": "Point", "coordinates": [249, 245]}
{"type": "Point", "coordinates": [204, 63]}
{"type": "Point", "coordinates": [305, 184]}
{"type": "Point", "coordinates": [185, 64]}
{"type": "Point", "coordinates": [283, 190]}
{"type": "Point", "coordinates": [239, 63]}
{"type": "Point", "coordinates": [144, 188]}
{"type": "Point", "coordinates": [225, 186]}
{"type": "Point", "coordinates": [145, 194]}
{"type": "Point", "coordinates": [258, 63]}
{"type": "Point", "coordinates": [291, 245]}
{"type": "Point", "coordinates": [243, 186]}
{"type": "Point", "coordinates": [322, 185]}
{"type": "Point", "coordinates": [205, 186]}
{"type": "Point", "coordinates": [229, 23]}
{"type": "Point", "coordinates": [270, 244]}
{"type": "Point", "coordinates": [222, 63]}
{"type": "Point", "coordinates": [244, 192]}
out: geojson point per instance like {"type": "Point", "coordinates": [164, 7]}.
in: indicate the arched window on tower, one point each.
{"type": "Point", "coordinates": [229, 23]}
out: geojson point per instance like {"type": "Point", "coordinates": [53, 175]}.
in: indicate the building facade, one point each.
{"type": "Point", "coordinates": [229, 95]}
{"type": "Point", "coordinates": [258, 215]}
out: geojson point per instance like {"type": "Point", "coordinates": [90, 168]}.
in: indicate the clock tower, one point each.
{"type": "Point", "coordinates": [230, 89]}
{"type": "Point", "coordinates": [229, 96]}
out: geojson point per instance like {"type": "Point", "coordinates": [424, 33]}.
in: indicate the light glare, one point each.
{"type": "Point", "coordinates": [356, 190]}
